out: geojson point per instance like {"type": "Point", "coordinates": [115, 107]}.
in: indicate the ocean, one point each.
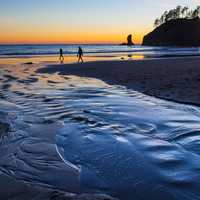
{"type": "Point", "coordinates": [7, 51]}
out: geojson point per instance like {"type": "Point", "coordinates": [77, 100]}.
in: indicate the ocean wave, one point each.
{"type": "Point", "coordinates": [41, 50]}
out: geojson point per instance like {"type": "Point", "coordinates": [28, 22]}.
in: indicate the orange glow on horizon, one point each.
{"type": "Point", "coordinates": [15, 32]}
{"type": "Point", "coordinates": [68, 38]}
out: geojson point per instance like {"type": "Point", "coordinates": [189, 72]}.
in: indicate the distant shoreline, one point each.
{"type": "Point", "coordinates": [175, 79]}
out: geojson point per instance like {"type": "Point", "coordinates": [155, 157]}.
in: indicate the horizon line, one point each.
{"type": "Point", "coordinates": [62, 44]}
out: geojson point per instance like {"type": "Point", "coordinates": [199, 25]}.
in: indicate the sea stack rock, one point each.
{"type": "Point", "coordinates": [178, 32]}
{"type": "Point", "coordinates": [129, 41]}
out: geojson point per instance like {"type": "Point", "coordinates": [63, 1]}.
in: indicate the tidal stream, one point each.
{"type": "Point", "coordinates": [82, 135]}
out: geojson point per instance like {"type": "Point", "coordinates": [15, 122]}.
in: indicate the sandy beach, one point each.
{"type": "Point", "coordinates": [176, 79]}
{"type": "Point", "coordinates": [65, 127]}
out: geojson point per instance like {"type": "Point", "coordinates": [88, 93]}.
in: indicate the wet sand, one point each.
{"type": "Point", "coordinates": [14, 189]}
{"type": "Point", "coordinates": [38, 146]}
{"type": "Point", "coordinates": [176, 79]}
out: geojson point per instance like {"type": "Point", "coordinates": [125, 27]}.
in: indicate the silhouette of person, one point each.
{"type": "Point", "coordinates": [61, 56]}
{"type": "Point", "coordinates": [80, 55]}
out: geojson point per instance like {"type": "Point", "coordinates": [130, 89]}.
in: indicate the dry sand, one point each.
{"type": "Point", "coordinates": [176, 79]}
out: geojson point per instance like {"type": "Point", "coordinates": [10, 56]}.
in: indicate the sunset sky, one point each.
{"type": "Point", "coordinates": [80, 21]}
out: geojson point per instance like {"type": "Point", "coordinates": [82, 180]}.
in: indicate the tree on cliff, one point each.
{"type": "Point", "coordinates": [178, 12]}
{"type": "Point", "coordinates": [184, 11]}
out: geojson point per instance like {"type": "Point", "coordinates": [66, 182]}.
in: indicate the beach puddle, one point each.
{"type": "Point", "coordinates": [82, 135]}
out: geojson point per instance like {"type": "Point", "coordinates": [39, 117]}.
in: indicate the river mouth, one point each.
{"type": "Point", "coordinates": [82, 135]}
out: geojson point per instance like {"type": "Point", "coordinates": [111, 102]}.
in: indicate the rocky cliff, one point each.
{"type": "Point", "coordinates": [178, 32]}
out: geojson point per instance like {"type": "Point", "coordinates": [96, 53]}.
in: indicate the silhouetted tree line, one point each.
{"type": "Point", "coordinates": [177, 13]}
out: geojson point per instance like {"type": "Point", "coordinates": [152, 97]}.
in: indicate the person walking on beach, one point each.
{"type": "Point", "coordinates": [61, 55]}
{"type": "Point", "coordinates": [80, 55]}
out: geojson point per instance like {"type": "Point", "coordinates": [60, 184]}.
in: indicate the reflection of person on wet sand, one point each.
{"type": "Point", "coordinates": [80, 55]}
{"type": "Point", "coordinates": [61, 55]}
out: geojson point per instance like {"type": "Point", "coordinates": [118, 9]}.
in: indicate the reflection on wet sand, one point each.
{"type": "Point", "coordinates": [68, 58]}
{"type": "Point", "coordinates": [81, 135]}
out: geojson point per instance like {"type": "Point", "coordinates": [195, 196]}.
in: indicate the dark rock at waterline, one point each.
{"type": "Point", "coordinates": [178, 32]}
{"type": "Point", "coordinates": [28, 63]}
{"type": "Point", "coordinates": [129, 41]}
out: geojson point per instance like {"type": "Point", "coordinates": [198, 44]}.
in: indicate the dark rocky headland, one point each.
{"type": "Point", "coordinates": [177, 32]}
